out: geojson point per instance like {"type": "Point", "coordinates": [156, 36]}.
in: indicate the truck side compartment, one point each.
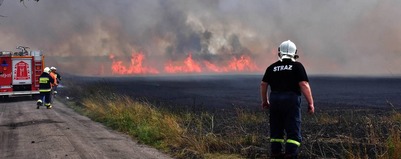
{"type": "Point", "coordinates": [20, 71]}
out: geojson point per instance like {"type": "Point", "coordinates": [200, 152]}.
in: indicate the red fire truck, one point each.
{"type": "Point", "coordinates": [20, 71]}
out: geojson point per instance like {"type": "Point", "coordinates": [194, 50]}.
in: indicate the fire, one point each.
{"type": "Point", "coordinates": [188, 66]}
{"type": "Point", "coordinates": [242, 63]}
{"type": "Point", "coordinates": [135, 67]}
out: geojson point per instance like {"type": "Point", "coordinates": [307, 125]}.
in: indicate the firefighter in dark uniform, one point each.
{"type": "Point", "coordinates": [45, 88]}
{"type": "Point", "coordinates": [287, 79]}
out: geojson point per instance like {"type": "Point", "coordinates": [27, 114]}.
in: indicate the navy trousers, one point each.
{"type": "Point", "coordinates": [46, 98]}
{"type": "Point", "coordinates": [285, 123]}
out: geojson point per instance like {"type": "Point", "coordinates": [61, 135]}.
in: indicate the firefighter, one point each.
{"type": "Point", "coordinates": [287, 79]}
{"type": "Point", "coordinates": [45, 88]}
{"type": "Point", "coordinates": [58, 78]}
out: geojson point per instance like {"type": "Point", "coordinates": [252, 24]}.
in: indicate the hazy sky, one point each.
{"type": "Point", "coordinates": [334, 37]}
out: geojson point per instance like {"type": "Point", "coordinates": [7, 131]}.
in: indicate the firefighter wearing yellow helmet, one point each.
{"type": "Point", "coordinates": [287, 79]}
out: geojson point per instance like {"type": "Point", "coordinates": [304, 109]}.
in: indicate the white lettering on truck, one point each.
{"type": "Point", "coordinates": [5, 75]}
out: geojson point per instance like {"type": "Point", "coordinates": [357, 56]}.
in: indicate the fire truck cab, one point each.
{"type": "Point", "coordinates": [20, 71]}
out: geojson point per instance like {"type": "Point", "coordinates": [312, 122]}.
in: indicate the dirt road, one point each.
{"type": "Point", "coordinates": [27, 132]}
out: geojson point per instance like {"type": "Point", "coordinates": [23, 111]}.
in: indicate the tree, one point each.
{"type": "Point", "coordinates": [22, 1]}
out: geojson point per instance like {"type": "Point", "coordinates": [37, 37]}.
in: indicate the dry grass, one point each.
{"type": "Point", "coordinates": [241, 133]}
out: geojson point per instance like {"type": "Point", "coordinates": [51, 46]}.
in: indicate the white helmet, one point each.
{"type": "Point", "coordinates": [53, 68]}
{"type": "Point", "coordinates": [287, 50]}
{"type": "Point", "coordinates": [47, 70]}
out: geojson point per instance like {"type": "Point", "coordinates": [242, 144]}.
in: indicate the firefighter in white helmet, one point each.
{"type": "Point", "coordinates": [45, 88]}
{"type": "Point", "coordinates": [287, 79]}
{"type": "Point", "coordinates": [57, 77]}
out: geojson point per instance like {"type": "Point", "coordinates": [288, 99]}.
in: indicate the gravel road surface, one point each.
{"type": "Point", "coordinates": [27, 132]}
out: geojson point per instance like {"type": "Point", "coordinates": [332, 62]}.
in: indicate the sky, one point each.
{"type": "Point", "coordinates": [333, 37]}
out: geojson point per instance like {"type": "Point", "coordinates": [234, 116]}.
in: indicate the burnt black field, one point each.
{"type": "Point", "coordinates": [227, 91]}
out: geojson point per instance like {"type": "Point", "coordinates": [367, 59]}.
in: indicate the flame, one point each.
{"type": "Point", "coordinates": [188, 66]}
{"type": "Point", "coordinates": [242, 63]}
{"type": "Point", "coordinates": [135, 67]}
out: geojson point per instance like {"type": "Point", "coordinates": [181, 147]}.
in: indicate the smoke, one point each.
{"type": "Point", "coordinates": [339, 37]}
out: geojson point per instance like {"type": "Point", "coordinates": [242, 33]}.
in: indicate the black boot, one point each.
{"type": "Point", "coordinates": [38, 104]}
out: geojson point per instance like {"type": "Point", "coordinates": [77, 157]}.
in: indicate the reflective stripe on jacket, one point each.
{"type": "Point", "coordinates": [45, 82]}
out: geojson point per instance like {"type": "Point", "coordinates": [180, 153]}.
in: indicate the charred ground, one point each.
{"type": "Point", "coordinates": [226, 91]}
